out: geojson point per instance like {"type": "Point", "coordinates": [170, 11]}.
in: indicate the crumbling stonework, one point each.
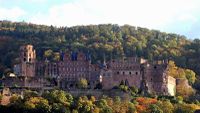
{"type": "Point", "coordinates": [73, 66]}
{"type": "Point", "coordinates": [137, 72]}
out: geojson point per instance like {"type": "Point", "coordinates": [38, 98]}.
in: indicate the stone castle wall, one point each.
{"type": "Point", "coordinates": [65, 73]}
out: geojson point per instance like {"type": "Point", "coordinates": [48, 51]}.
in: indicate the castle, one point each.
{"type": "Point", "coordinates": [64, 74]}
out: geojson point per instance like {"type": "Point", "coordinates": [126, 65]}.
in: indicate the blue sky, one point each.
{"type": "Point", "coordinates": [174, 16]}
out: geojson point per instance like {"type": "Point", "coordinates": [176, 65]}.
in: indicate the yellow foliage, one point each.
{"type": "Point", "coordinates": [14, 98]}
{"type": "Point", "coordinates": [184, 91]}
{"type": "Point", "coordinates": [34, 101]}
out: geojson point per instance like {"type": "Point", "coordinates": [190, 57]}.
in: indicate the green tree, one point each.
{"type": "Point", "coordinates": [191, 76]}
{"type": "Point", "coordinates": [48, 53]}
{"type": "Point", "coordinates": [59, 108]}
{"type": "Point", "coordinates": [37, 103]}
{"type": "Point", "coordinates": [131, 108]}
{"type": "Point", "coordinates": [28, 94]}
{"type": "Point", "coordinates": [184, 90]}
{"type": "Point", "coordinates": [59, 96]}
{"type": "Point", "coordinates": [185, 108]}
{"type": "Point", "coordinates": [166, 106]}
{"type": "Point", "coordinates": [82, 83]}
{"type": "Point", "coordinates": [153, 108]}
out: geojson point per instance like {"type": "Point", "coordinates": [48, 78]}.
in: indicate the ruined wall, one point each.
{"type": "Point", "coordinates": [73, 66]}
{"type": "Point", "coordinates": [126, 70]}
{"type": "Point", "coordinates": [157, 78]}
{"type": "Point", "coordinates": [133, 72]}
{"type": "Point", "coordinates": [31, 82]}
{"type": "Point", "coordinates": [13, 81]}
{"type": "Point", "coordinates": [171, 86]}
{"type": "Point", "coordinates": [76, 66]}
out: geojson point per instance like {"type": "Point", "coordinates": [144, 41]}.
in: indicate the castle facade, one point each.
{"type": "Point", "coordinates": [65, 73]}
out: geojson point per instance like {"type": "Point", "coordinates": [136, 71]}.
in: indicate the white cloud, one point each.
{"type": "Point", "coordinates": [22, 1]}
{"type": "Point", "coordinates": [37, 1]}
{"type": "Point", "coordinates": [146, 13]}
{"type": "Point", "coordinates": [66, 14]}
{"type": "Point", "coordinates": [11, 14]}
{"type": "Point", "coordinates": [177, 16]}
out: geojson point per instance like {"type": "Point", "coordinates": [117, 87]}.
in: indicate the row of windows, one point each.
{"type": "Point", "coordinates": [74, 76]}
{"type": "Point", "coordinates": [25, 54]}
{"type": "Point", "coordinates": [72, 63]}
{"type": "Point", "coordinates": [126, 66]}
{"type": "Point", "coordinates": [51, 74]}
{"type": "Point", "coordinates": [29, 60]}
{"type": "Point", "coordinates": [73, 69]}
{"type": "Point", "coordinates": [52, 70]}
{"type": "Point", "coordinates": [130, 73]}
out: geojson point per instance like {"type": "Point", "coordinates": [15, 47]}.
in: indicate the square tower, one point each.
{"type": "Point", "coordinates": [28, 59]}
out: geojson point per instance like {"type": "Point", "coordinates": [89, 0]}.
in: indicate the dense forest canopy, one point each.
{"type": "Point", "coordinates": [58, 101]}
{"type": "Point", "coordinates": [109, 40]}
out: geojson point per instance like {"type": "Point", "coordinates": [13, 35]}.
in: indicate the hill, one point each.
{"type": "Point", "coordinates": [109, 40]}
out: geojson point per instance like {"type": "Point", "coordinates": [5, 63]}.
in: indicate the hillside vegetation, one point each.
{"type": "Point", "coordinates": [111, 41]}
{"type": "Point", "coordinates": [58, 101]}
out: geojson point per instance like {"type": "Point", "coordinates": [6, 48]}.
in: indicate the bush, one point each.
{"type": "Point", "coordinates": [153, 108]}
{"type": "Point", "coordinates": [185, 108]}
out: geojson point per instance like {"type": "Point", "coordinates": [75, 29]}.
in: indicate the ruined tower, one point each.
{"type": "Point", "coordinates": [27, 58]}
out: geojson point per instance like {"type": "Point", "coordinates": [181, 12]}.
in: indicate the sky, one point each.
{"type": "Point", "coordinates": [171, 16]}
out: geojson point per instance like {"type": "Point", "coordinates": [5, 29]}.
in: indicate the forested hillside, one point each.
{"type": "Point", "coordinates": [111, 41]}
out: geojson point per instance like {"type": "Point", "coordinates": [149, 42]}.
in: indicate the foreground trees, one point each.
{"type": "Point", "coordinates": [57, 101]}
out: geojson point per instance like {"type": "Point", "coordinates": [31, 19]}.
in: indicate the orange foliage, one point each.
{"type": "Point", "coordinates": [143, 103]}
{"type": "Point", "coordinates": [141, 108]}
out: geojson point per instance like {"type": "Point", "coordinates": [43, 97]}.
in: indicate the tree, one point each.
{"type": "Point", "coordinates": [1, 96]}
{"type": "Point", "coordinates": [15, 99]}
{"type": "Point", "coordinates": [185, 108]}
{"type": "Point", "coordinates": [191, 76]}
{"type": "Point", "coordinates": [28, 94]}
{"type": "Point", "coordinates": [153, 108]}
{"type": "Point", "coordinates": [48, 53]}
{"type": "Point", "coordinates": [59, 96]}
{"type": "Point", "coordinates": [82, 83]}
{"type": "Point", "coordinates": [166, 106]}
{"type": "Point", "coordinates": [39, 104]}
{"type": "Point", "coordinates": [133, 90]}
{"type": "Point", "coordinates": [96, 110]}
{"type": "Point", "coordinates": [131, 108]}
{"type": "Point", "coordinates": [184, 90]}
{"type": "Point", "coordinates": [56, 56]}
{"type": "Point", "coordinates": [59, 108]}
{"type": "Point", "coordinates": [83, 104]}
